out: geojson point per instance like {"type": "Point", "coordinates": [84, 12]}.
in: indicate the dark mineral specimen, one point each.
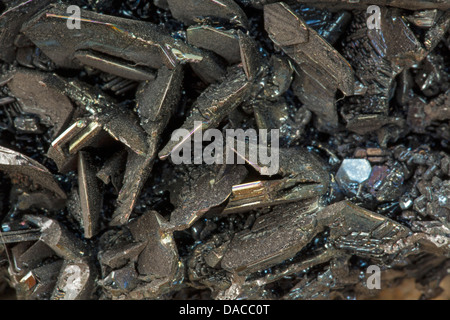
{"type": "Point", "coordinates": [99, 101]}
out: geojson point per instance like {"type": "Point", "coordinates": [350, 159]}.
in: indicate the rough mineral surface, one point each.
{"type": "Point", "coordinates": [99, 201]}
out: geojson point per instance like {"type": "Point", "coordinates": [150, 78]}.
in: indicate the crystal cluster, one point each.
{"type": "Point", "coordinates": [92, 205]}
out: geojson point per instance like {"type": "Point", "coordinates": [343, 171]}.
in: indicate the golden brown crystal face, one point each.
{"type": "Point", "coordinates": [350, 100]}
